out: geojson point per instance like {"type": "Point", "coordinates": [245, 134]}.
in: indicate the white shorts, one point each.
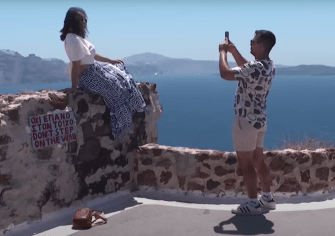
{"type": "Point", "coordinates": [245, 137]}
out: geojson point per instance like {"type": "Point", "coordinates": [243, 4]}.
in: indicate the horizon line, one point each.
{"type": "Point", "coordinates": [279, 64]}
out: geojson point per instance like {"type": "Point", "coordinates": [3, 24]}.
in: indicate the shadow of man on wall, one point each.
{"type": "Point", "coordinates": [245, 225]}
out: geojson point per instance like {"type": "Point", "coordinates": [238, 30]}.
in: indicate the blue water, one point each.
{"type": "Point", "coordinates": [197, 109]}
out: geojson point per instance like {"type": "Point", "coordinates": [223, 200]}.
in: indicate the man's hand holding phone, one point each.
{"type": "Point", "coordinates": [223, 46]}
{"type": "Point", "coordinates": [226, 45]}
{"type": "Point", "coordinates": [231, 47]}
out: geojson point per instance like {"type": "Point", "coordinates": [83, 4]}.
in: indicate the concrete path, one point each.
{"type": "Point", "coordinates": [165, 214]}
{"type": "Point", "coordinates": [151, 220]}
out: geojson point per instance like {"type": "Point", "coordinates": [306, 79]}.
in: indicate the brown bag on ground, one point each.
{"type": "Point", "coordinates": [85, 218]}
{"type": "Point", "coordinates": [82, 218]}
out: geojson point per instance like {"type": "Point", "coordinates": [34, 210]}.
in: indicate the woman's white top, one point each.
{"type": "Point", "coordinates": [78, 48]}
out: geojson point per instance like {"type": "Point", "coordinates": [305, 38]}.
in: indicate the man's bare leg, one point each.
{"type": "Point", "coordinates": [245, 160]}
{"type": "Point", "coordinates": [262, 168]}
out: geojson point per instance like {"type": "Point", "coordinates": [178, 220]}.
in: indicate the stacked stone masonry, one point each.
{"type": "Point", "coordinates": [217, 172]}
{"type": "Point", "coordinates": [38, 181]}
{"type": "Point", "coordinates": [34, 182]}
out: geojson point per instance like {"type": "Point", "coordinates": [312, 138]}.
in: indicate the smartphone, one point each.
{"type": "Point", "coordinates": [227, 34]}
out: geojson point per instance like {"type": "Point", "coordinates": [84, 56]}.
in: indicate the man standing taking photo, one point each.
{"type": "Point", "coordinates": [250, 122]}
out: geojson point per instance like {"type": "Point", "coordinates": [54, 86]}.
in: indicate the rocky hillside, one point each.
{"type": "Point", "coordinates": [15, 68]}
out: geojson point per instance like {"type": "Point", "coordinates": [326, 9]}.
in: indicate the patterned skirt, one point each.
{"type": "Point", "coordinates": [119, 92]}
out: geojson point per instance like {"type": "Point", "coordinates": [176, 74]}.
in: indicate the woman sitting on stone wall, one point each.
{"type": "Point", "coordinates": [109, 79]}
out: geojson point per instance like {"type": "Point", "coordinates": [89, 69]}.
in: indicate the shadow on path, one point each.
{"type": "Point", "coordinates": [245, 225]}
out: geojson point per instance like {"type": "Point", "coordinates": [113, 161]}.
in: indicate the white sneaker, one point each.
{"type": "Point", "coordinates": [267, 202]}
{"type": "Point", "coordinates": [248, 208]}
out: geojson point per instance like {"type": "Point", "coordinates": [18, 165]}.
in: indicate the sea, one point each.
{"type": "Point", "coordinates": [198, 109]}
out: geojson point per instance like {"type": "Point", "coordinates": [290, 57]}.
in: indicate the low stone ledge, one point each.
{"type": "Point", "coordinates": [214, 171]}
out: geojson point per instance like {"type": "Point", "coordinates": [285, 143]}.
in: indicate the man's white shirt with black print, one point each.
{"type": "Point", "coordinates": [254, 81]}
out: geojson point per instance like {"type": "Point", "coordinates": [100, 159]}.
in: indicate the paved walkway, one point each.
{"type": "Point", "coordinates": [150, 220]}
{"type": "Point", "coordinates": [165, 214]}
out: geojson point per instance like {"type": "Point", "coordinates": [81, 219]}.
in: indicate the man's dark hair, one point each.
{"type": "Point", "coordinates": [72, 23]}
{"type": "Point", "coordinates": [267, 38]}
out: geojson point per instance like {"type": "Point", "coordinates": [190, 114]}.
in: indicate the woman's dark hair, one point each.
{"type": "Point", "coordinates": [72, 23]}
{"type": "Point", "coordinates": [267, 38]}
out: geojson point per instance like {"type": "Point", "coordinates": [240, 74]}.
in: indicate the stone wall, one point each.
{"type": "Point", "coordinates": [37, 181]}
{"type": "Point", "coordinates": [217, 172]}
{"type": "Point", "coordinates": [34, 182]}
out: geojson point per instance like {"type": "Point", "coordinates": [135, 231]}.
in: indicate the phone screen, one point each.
{"type": "Point", "coordinates": [227, 34]}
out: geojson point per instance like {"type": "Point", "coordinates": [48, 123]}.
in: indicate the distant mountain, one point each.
{"type": "Point", "coordinates": [15, 68]}
{"type": "Point", "coordinates": [158, 64]}
{"type": "Point", "coordinates": [151, 63]}
{"type": "Point", "coordinates": [280, 66]}
{"type": "Point", "coordinates": [146, 58]}
{"type": "Point", "coordinates": [9, 52]}
{"type": "Point", "coordinates": [306, 70]}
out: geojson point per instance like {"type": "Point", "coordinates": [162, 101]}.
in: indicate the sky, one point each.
{"type": "Point", "coordinates": [305, 30]}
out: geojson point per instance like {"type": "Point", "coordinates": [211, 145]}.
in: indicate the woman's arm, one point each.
{"type": "Point", "coordinates": [75, 74]}
{"type": "Point", "coordinates": [105, 59]}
